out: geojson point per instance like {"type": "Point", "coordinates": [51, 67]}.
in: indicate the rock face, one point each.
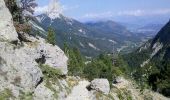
{"type": "Point", "coordinates": [54, 56]}
{"type": "Point", "coordinates": [45, 53]}
{"type": "Point", "coordinates": [101, 85]}
{"type": "Point", "coordinates": [43, 93]}
{"type": "Point", "coordinates": [80, 92]}
{"type": "Point", "coordinates": [18, 68]}
{"type": "Point", "coordinates": [19, 63]}
{"type": "Point", "coordinates": [7, 32]}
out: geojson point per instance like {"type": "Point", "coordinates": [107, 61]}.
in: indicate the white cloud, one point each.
{"type": "Point", "coordinates": [98, 15]}
{"type": "Point", "coordinates": [140, 12]}
{"type": "Point", "coordinates": [39, 10]}
{"type": "Point", "coordinates": [137, 13]}
{"type": "Point", "coordinates": [67, 8]}
{"type": "Point", "coordinates": [162, 11]}
{"type": "Point", "coordinates": [54, 5]}
{"type": "Point", "coordinates": [131, 13]}
{"type": "Point", "coordinates": [58, 7]}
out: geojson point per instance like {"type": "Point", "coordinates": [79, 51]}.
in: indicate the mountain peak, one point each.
{"type": "Point", "coordinates": [54, 9]}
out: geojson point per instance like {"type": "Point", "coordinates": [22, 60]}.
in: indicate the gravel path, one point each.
{"type": "Point", "coordinates": [80, 92]}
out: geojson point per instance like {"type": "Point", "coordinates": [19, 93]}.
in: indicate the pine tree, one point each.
{"type": "Point", "coordinates": [76, 62]}
{"type": "Point", "coordinates": [66, 48]}
{"type": "Point", "coordinates": [51, 36]}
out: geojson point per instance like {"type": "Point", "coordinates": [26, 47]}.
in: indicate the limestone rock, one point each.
{"type": "Point", "coordinates": [101, 85]}
{"type": "Point", "coordinates": [43, 93]}
{"type": "Point", "coordinates": [18, 68]}
{"type": "Point", "coordinates": [120, 82]}
{"type": "Point", "coordinates": [8, 32]}
{"type": "Point", "coordinates": [51, 55]}
{"type": "Point", "coordinates": [54, 56]}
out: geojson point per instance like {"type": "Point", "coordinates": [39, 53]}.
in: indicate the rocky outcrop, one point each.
{"type": "Point", "coordinates": [126, 88]}
{"type": "Point", "coordinates": [45, 53]}
{"type": "Point", "coordinates": [101, 85]}
{"type": "Point", "coordinates": [120, 82]}
{"type": "Point", "coordinates": [18, 68]}
{"type": "Point", "coordinates": [7, 30]}
{"type": "Point", "coordinates": [54, 56]}
{"type": "Point", "coordinates": [43, 93]}
{"type": "Point", "coordinates": [19, 63]}
{"type": "Point", "coordinates": [80, 92]}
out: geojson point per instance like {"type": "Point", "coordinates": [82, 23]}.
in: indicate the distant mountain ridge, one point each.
{"type": "Point", "coordinates": [90, 38]}
{"type": "Point", "coordinates": [110, 27]}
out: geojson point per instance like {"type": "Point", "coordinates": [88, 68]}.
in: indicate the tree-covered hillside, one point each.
{"type": "Point", "coordinates": [150, 64]}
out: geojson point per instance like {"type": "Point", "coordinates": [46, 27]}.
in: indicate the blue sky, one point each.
{"type": "Point", "coordinates": [112, 9]}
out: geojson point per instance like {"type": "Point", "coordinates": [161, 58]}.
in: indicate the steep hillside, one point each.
{"type": "Point", "coordinates": [93, 37]}
{"type": "Point", "coordinates": [150, 62]}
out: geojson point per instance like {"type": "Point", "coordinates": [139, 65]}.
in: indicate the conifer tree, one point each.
{"type": "Point", "coordinates": [66, 48]}
{"type": "Point", "coordinates": [51, 36]}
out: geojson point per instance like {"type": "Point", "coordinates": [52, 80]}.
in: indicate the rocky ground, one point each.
{"type": "Point", "coordinates": [80, 92]}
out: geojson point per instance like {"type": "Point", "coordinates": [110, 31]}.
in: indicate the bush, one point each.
{"type": "Point", "coordinates": [101, 67]}
{"type": "Point", "coordinates": [6, 94]}
{"type": "Point", "coordinates": [26, 96]}
{"type": "Point", "coordinates": [22, 27]}
{"type": "Point", "coordinates": [76, 61]}
{"type": "Point", "coordinates": [50, 72]}
{"type": "Point", "coordinates": [51, 36]}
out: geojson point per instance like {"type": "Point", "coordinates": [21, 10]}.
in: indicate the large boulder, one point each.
{"type": "Point", "coordinates": [45, 53]}
{"type": "Point", "coordinates": [7, 30]}
{"type": "Point", "coordinates": [54, 56]}
{"type": "Point", "coordinates": [101, 85]}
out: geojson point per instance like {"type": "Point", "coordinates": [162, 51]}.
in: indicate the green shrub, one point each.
{"type": "Point", "coordinates": [51, 36]}
{"type": "Point", "coordinates": [50, 72]}
{"type": "Point", "coordinates": [76, 62]}
{"type": "Point", "coordinates": [49, 86]}
{"type": "Point", "coordinates": [26, 96]}
{"type": "Point", "coordinates": [102, 67]}
{"type": "Point", "coordinates": [6, 94]}
{"type": "Point", "coordinates": [120, 95]}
